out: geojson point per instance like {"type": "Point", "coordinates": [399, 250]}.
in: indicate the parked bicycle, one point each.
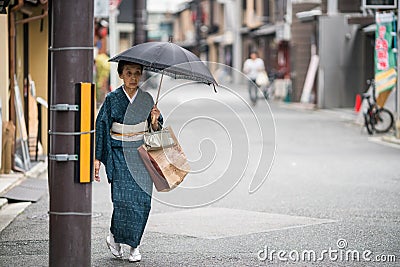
{"type": "Point", "coordinates": [377, 119]}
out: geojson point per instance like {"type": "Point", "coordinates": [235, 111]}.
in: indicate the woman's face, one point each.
{"type": "Point", "coordinates": [131, 75]}
{"type": "Point", "coordinates": [253, 56]}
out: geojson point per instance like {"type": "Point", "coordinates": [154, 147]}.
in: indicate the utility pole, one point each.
{"type": "Point", "coordinates": [139, 18]}
{"type": "Point", "coordinates": [71, 62]}
{"type": "Point", "coordinates": [197, 26]}
{"type": "Point", "coordinates": [114, 38]}
{"type": "Point", "coordinates": [397, 125]}
{"type": "Point", "coordinates": [237, 45]}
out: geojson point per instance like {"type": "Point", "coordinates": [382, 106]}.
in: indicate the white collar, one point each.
{"type": "Point", "coordinates": [133, 97]}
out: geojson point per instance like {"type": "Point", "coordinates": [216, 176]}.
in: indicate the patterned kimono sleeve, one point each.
{"type": "Point", "coordinates": [103, 137]}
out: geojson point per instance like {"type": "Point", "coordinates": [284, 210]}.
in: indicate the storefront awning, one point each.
{"type": "Point", "coordinates": [308, 15]}
{"type": "Point", "coordinates": [369, 28]}
{"type": "Point", "coordinates": [265, 30]}
{"type": "Point", "coordinates": [223, 39]}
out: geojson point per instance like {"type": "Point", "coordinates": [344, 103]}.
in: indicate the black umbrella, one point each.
{"type": "Point", "coordinates": [170, 59]}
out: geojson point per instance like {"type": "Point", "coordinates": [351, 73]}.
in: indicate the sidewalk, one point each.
{"type": "Point", "coordinates": [347, 115]}
{"type": "Point", "coordinates": [16, 189]}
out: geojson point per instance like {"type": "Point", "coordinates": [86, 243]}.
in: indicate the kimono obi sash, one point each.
{"type": "Point", "coordinates": [129, 133]}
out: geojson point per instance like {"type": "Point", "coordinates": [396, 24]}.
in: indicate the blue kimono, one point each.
{"type": "Point", "coordinates": [131, 185]}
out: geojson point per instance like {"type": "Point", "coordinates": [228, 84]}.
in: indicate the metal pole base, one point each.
{"type": "Point", "coordinates": [397, 129]}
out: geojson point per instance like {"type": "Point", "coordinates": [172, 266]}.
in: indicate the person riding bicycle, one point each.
{"type": "Point", "coordinates": [252, 67]}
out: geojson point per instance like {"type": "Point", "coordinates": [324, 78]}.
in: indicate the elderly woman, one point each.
{"type": "Point", "coordinates": [125, 114]}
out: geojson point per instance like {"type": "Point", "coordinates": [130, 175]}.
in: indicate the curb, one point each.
{"type": "Point", "coordinates": [344, 114]}
{"type": "Point", "coordinates": [391, 139]}
{"type": "Point", "coordinates": [10, 180]}
{"type": "Point", "coordinates": [36, 170]}
{"type": "Point", "coordinates": [17, 178]}
{"type": "Point", "coordinates": [9, 211]}
{"type": "Point", "coordinates": [3, 201]}
{"type": "Point", "coordinates": [298, 106]}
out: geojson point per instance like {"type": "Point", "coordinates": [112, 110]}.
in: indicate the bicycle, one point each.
{"type": "Point", "coordinates": [268, 90]}
{"type": "Point", "coordinates": [377, 119]}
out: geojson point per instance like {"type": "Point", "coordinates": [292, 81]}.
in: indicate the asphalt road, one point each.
{"type": "Point", "coordinates": [279, 185]}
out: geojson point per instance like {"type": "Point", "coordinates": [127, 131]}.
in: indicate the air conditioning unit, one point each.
{"type": "Point", "coordinates": [380, 4]}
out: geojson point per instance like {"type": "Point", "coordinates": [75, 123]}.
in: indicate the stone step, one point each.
{"type": "Point", "coordinates": [7, 181]}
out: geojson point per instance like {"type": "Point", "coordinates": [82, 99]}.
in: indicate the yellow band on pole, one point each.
{"type": "Point", "coordinates": [86, 124]}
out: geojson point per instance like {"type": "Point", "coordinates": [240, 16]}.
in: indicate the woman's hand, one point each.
{"type": "Point", "coordinates": [97, 164]}
{"type": "Point", "coordinates": [155, 114]}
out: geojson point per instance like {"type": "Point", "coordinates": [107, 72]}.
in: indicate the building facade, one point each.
{"type": "Point", "coordinates": [291, 36]}
{"type": "Point", "coordinates": [25, 41]}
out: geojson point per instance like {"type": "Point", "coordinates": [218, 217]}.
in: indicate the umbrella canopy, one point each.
{"type": "Point", "coordinates": [168, 58]}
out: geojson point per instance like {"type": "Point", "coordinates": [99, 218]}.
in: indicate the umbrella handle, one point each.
{"type": "Point", "coordinates": [159, 88]}
{"type": "Point", "coordinates": [153, 119]}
